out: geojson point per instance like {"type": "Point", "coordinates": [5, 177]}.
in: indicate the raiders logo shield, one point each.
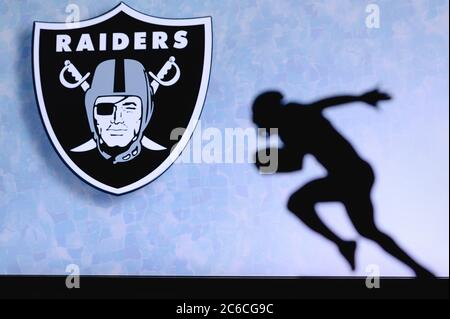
{"type": "Point", "coordinates": [111, 90]}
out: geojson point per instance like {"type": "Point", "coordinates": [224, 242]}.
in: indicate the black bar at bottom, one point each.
{"type": "Point", "coordinates": [256, 288]}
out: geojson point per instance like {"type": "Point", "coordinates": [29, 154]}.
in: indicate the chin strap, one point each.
{"type": "Point", "coordinates": [128, 155]}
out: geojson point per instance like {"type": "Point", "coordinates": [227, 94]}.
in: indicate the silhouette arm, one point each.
{"type": "Point", "coordinates": [334, 101]}
{"type": "Point", "coordinates": [371, 98]}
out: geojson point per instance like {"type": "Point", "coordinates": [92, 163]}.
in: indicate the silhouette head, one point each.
{"type": "Point", "coordinates": [266, 109]}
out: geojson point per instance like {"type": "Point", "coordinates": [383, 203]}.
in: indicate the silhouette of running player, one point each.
{"type": "Point", "coordinates": [304, 130]}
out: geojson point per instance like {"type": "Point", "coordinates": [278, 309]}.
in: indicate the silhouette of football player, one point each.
{"type": "Point", "coordinates": [304, 130]}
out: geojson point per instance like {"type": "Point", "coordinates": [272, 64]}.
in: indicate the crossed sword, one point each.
{"type": "Point", "coordinates": [82, 81]}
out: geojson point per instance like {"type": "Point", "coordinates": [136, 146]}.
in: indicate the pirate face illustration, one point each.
{"type": "Point", "coordinates": [119, 105]}
{"type": "Point", "coordinates": [118, 119]}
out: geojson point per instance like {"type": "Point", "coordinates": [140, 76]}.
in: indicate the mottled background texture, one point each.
{"type": "Point", "coordinates": [224, 219]}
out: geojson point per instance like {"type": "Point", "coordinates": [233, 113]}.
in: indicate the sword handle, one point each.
{"type": "Point", "coordinates": [166, 67]}
{"type": "Point", "coordinates": [85, 86]}
{"type": "Point", "coordinates": [81, 80]}
{"type": "Point", "coordinates": [158, 79]}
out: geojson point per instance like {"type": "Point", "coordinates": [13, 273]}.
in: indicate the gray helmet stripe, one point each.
{"type": "Point", "coordinates": [119, 76]}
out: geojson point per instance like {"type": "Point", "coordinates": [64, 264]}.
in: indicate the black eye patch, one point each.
{"type": "Point", "coordinates": [105, 108]}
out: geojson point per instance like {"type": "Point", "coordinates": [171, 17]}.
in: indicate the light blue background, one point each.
{"type": "Point", "coordinates": [210, 219]}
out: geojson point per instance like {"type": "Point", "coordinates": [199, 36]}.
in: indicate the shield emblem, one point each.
{"type": "Point", "coordinates": [111, 91]}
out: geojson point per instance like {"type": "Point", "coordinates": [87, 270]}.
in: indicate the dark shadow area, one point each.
{"type": "Point", "coordinates": [36, 130]}
{"type": "Point", "coordinates": [303, 129]}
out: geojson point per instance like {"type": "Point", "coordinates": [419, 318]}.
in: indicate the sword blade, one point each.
{"type": "Point", "coordinates": [89, 145]}
{"type": "Point", "coordinates": [153, 146]}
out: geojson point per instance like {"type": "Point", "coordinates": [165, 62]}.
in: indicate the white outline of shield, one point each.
{"type": "Point", "coordinates": [176, 151]}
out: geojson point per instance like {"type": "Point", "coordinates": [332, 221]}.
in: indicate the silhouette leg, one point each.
{"type": "Point", "coordinates": [361, 214]}
{"type": "Point", "coordinates": [302, 203]}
